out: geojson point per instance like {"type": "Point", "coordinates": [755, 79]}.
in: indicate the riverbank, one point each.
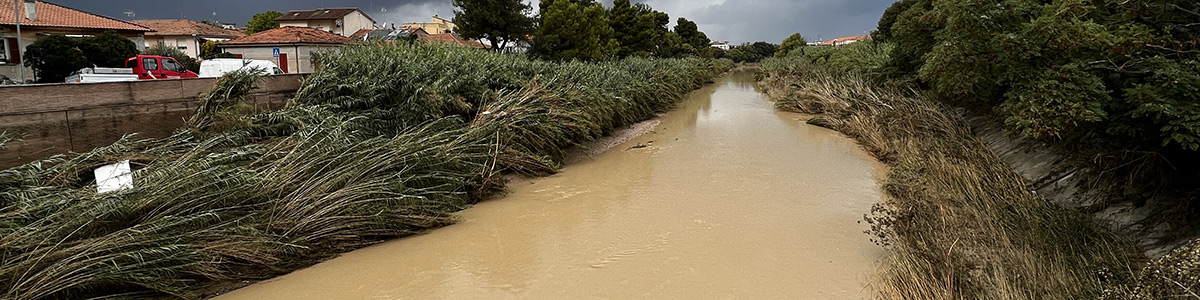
{"type": "Point", "coordinates": [713, 203]}
{"type": "Point", "coordinates": [958, 223]}
{"type": "Point", "coordinates": [385, 141]}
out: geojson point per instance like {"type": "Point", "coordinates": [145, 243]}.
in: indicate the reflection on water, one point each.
{"type": "Point", "coordinates": [732, 201]}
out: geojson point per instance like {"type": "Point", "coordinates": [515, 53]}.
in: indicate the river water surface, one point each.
{"type": "Point", "coordinates": [729, 200]}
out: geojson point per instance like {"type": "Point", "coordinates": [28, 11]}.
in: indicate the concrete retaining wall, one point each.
{"type": "Point", "coordinates": [59, 118]}
{"type": "Point", "coordinates": [1060, 179]}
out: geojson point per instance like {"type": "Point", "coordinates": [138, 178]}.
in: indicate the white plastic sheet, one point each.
{"type": "Point", "coordinates": [114, 177]}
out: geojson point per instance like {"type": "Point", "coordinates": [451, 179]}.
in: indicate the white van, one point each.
{"type": "Point", "coordinates": [212, 68]}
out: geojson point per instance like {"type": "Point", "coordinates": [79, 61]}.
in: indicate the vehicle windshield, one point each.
{"type": "Point", "coordinates": [171, 65]}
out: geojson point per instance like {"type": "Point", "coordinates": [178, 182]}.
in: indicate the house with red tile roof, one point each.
{"type": "Point", "coordinates": [187, 35]}
{"type": "Point", "coordinates": [341, 21]}
{"type": "Point", "coordinates": [295, 46]}
{"type": "Point", "coordinates": [41, 18]}
{"type": "Point", "coordinates": [846, 40]}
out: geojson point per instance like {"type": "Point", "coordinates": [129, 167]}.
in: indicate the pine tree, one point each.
{"type": "Point", "coordinates": [574, 29]}
{"type": "Point", "coordinates": [500, 22]}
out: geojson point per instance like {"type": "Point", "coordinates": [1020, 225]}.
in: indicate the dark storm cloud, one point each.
{"type": "Point", "coordinates": [239, 11]}
{"type": "Point", "coordinates": [733, 20]}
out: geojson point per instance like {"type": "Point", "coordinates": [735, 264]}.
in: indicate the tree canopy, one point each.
{"type": "Point", "coordinates": [1069, 69]}
{"type": "Point", "coordinates": [752, 52]}
{"type": "Point", "coordinates": [639, 29]}
{"type": "Point", "coordinates": [263, 22]}
{"type": "Point", "coordinates": [54, 57]}
{"type": "Point", "coordinates": [691, 34]}
{"type": "Point", "coordinates": [793, 42]}
{"type": "Point", "coordinates": [574, 29]}
{"type": "Point", "coordinates": [107, 49]}
{"type": "Point", "coordinates": [500, 22]}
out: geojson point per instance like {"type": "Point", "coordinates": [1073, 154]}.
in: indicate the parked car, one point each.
{"type": "Point", "coordinates": [92, 75]}
{"type": "Point", "coordinates": [216, 67]}
{"type": "Point", "coordinates": [158, 67]}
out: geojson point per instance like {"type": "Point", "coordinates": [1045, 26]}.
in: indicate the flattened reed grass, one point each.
{"type": "Point", "coordinates": [958, 223]}
{"type": "Point", "coordinates": [383, 142]}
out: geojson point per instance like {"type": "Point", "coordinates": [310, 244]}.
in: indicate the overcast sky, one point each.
{"type": "Point", "coordinates": [723, 20]}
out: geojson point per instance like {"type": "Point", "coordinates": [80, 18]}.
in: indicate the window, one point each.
{"type": "Point", "coordinates": [182, 47]}
{"type": "Point", "coordinates": [9, 51]}
{"type": "Point", "coordinates": [171, 65]}
{"type": "Point", "coordinates": [150, 64]}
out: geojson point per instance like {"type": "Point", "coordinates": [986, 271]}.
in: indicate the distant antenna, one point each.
{"type": "Point", "coordinates": [383, 9]}
{"type": "Point", "coordinates": [130, 14]}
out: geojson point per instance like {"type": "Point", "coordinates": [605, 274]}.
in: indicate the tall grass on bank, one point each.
{"type": "Point", "coordinates": [958, 223]}
{"type": "Point", "coordinates": [384, 141]}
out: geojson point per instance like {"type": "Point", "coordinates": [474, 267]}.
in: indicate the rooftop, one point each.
{"type": "Point", "coordinates": [845, 39]}
{"type": "Point", "coordinates": [186, 28]}
{"type": "Point", "coordinates": [54, 15]}
{"type": "Point", "coordinates": [291, 35]}
{"type": "Point", "coordinates": [450, 38]}
{"type": "Point", "coordinates": [387, 34]}
{"type": "Point", "coordinates": [319, 14]}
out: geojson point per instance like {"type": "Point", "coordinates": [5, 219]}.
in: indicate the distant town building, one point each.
{"type": "Point", "coordinates": [388, 35]}
{"type": "Point", "coordinates": [846, 40]}
{"type": "Point", "coordinates": [341, 21]}
{"type": "Point", "coordinates": [186, 35]}
{"type": "Point", "coordinates": [43, 18]}
{"type": "Point", "coordinates": [452, 39]}
{"type": "Point", "coordinates": [295, 44]}
{"type": "Point", "coordinates": [724, 45]}
{"type": "Point", "coordinates": [438, 25]}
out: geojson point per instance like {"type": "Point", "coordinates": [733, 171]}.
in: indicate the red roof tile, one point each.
{"type": "Point", "coordinates": [291, 35]}
{"type": "Point", "coordinates": [186, 28]}
{"type": "Point", "coordinates": [450, 38]}
{"type": "Point", "coordinates": [53, 15]}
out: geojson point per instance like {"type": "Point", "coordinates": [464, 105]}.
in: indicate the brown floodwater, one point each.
{"type": "Point", "coordinates": [729, 200]}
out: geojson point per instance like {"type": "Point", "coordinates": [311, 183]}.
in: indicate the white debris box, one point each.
{"type": "Point", "coordinates": [114, 177]}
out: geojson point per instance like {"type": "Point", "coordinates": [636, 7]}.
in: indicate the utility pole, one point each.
{"type": "Point", "coordinates": [17, 12]}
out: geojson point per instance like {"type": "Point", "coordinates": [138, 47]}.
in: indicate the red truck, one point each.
{"type": "Point", "coordinates": [157, 67]}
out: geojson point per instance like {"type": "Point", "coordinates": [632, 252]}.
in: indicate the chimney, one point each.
{"type": "Point", "coordinates": [31, 9]}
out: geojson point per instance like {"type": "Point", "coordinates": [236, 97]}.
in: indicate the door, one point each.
{"type": "Point", "coordinates": [283, 62]}
{"type": "Point", "coordinates": [150, 69]}
{"type": "Point", "coordinates": [172, 69]}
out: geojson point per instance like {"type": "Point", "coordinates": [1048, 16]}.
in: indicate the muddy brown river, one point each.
{"type": "Point", "coordinates": [730, 200]}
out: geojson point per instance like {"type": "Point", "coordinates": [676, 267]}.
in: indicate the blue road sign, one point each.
{"type": "Point", "coordinates": [275, 52]}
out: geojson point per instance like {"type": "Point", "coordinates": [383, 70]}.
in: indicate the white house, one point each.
{"type": "Point", "coordinates": [722, 45]}
{"type": "Point", "coordinates": [295, 44]}
{"type": "Point", "coordinates": [341, 21]}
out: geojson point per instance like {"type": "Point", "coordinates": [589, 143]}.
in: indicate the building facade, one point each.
{"type": "Point", "coordinates": [186, 35]}
{"type": "Point", "coordinates": [40, 19]}
{"type": "Point", "coordinates": [436, 26]}
{"type": "Point", "coordinates": [340, 21]}
{"type": "Point", "coordinates": [296, 46]}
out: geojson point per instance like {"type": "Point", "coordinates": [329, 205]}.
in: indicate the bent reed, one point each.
{"type": "Point", "coordinates": [957, 223]}
{"type": "Point", "coordinates": [384, 141]}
